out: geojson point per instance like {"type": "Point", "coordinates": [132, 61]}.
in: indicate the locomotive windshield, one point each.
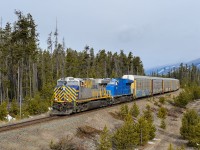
{"type": "Point", "coordinates": [73, 82]}
{"type": "Point", "coordinates": [59, 83]}
{"type": "Point", "coordinates": [113, 83]}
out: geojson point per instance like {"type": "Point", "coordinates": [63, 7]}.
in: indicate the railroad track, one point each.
{"type": "Point", "coordinates": [27, 123]}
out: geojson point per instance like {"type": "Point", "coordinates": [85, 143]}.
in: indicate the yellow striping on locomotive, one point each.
{"type": "Point", "coordinates": [65, 93]}
{"type": "Point", "coordinates": [88, 83]}
{"type": "Point", "coordinates": [71, 93]}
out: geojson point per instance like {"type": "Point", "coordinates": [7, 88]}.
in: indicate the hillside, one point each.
{"type": "Point", "coordinates": [170, 68]}
{"type": "Point", "coordinates": [92, 123]}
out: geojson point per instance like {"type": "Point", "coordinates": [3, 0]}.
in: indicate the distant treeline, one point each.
{"type": "Point", "coordinates": [188, 75]}
{"type": "Point", "coordinates": [27, 70]}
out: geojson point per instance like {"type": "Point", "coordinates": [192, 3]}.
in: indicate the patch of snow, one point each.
{"type": "Point", "coordinates": [162, 70]}
{"type": "Point", "coordinates": [173, 66]}
{"type": "Point", "coordinates": [9, 118]}
{"type": "Point", "coordinates": [156, 139]}
{"type": "Point", "coordinates": [151, 143]}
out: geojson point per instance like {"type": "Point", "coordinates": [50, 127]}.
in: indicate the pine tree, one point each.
{"type": "Point", "coordinates": [189, 121]}
{"type": "Point", "coordinates": [162, 113]}
{"type": "Point", "coordinates": [183, 99]}
{"type": "Point", "coordinates": [194, 138]}
{"type": "Point", "coordinates": [163, 124]}
{"type": "Point", "coordinates": [25, 69]}
{"type": "Point", "coordinates": [134, 111]}
{"type": "Point", "coordinates": [147, 114]}
{"type": "Point", "coordinates": [180, 148]}
{"type": "Point", "coordinates": [105, 140]}
{"type": "Point", "coordinates": [127, 136]}
{"type": "Point", "coordinates": [124, 111]}
{"type": "Point", "coordinates": [143, 130]}
{"type": "Point", "coordinates": [170, 147]}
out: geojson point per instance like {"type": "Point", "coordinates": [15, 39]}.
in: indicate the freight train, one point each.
{"type": "Point", "coordinates": [72, 95]}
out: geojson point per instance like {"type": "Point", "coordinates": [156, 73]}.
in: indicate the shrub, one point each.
{"type": "Point", "coordinates": [3, 111]}
{"type": "Point", "coordinates": [87, 131]}
{"type": "Point", "coordinates": [162, 113]}
{"type": "Point", "coordinates": [162, 100]}
{"type": "Point", "coordinates": [195, 91]}
{"type": "Point", "coordinates": [66, 143]}
{"type": "Point", "coordinates": [183, 99]}
{"type": "Point", "coordinates": [156, 103]}
{"type": "Point", "coordinates": [190, 93]}
{"type": "Point", "coordinates": [14, 109]}
{"type": "Point", "coordinates": [36, 105]}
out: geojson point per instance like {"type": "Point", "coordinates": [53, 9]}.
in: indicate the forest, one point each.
{"type": "Point", "coordinates": [28, 73]}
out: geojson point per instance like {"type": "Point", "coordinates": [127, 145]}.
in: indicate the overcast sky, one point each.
{"type": "Point", "coordinates": [159, 31]}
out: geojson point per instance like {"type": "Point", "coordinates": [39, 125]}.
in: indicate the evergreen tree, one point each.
{"type": "Point", "coordinates": [181, 148]}
{"type": "Point", "coordinates": [147, 114]}
{"type": "Point", "coordinates": [105, 140]}
{"type": "Point", "coordinates": [127, 136]}
{"type": "Point", "coordinates": [143, 129]}
{"type": "Point", "coordinates": [163, 124]}
{"type": "Point", "coordinates": [189, 120]}
{"type": "Point", "coordinates": [162, 113]}
{"type": "Point", "coordinates": [194, 138]}
{"type": "Point", "coordinates": [170, 147]}
{"type": "Point", "coordinates": [183, 99]}
{"type": "Point", "coordinates": [124, 111]}
{"type": "Point", "coordinates": [26, 70]}
{"type": "Point", "coordinates": [162, 100]}
{"type": "Point", "coordinates": [134, 111]}
{"type": "Point", "coordinates": [190, 127]}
